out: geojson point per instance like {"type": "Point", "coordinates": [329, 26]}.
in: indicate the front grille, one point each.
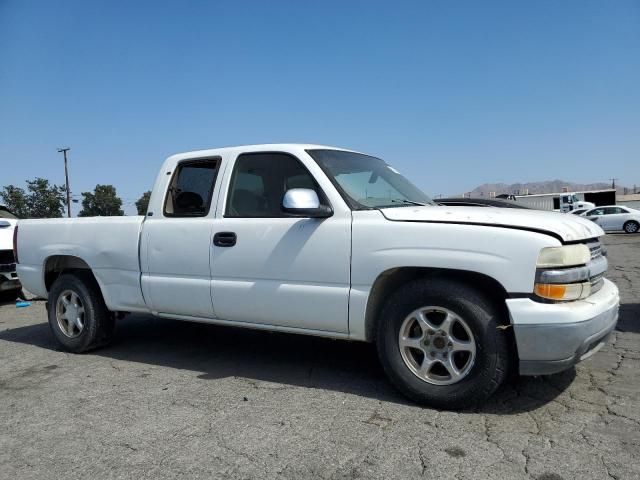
{"type": "Point", "coordinates": [596, 248]}
{"type": "Point", "coordinates": [596, 282]}
{"type": "Point", "coordinates": [597, 251]}
{"type": "Point", "coordinates": [6, 257]}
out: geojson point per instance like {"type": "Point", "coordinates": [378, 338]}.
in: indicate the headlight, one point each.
{"type": "Point", "coordinates": [565, 256]}
{"type": "Point", "coordinates": [562, 274]}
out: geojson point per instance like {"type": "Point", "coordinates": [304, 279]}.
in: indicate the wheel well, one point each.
{"type": "Point", "coordinates": [56, 265]}
{"type": "Point", "coordinates": [391, 280]}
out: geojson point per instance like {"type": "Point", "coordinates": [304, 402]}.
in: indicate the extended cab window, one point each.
{"type": "Point", "coordinates": [260, 180]}
{"type": "Point", "coordinates": [191, 188]}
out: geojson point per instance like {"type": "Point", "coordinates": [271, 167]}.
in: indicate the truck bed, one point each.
{"type": "Point", "coordinates": [109, 245]}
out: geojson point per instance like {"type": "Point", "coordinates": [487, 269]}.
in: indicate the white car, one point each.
{"type": "Point", "coordinates": [9, 283]}
{"type": "Point", "coordinates": [615, 218]}
{"type": "Point", "coordinates": [323, 241]}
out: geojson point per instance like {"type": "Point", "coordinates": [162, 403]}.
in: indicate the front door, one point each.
{"type": "Point", "coordinates": [275, 269]}
{"type": "Point", "coordinates": [597, 216]}
{"type": "Point", "coordinates": [176, 243]}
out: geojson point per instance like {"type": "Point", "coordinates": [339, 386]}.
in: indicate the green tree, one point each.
{"type": "Point", "coordinates": [15, 200]}
{"type": "Point", "coordinates": [44, 200]}
{"type": "Point", "coordinates": [41, 200]}
{"type": "Point", "coordinates": [103, 202]}
{"type": "Point", "coordinates": [142, 204]}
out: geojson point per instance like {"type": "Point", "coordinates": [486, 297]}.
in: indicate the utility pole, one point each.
{"type": "Point", "coordinates": [64, 151]}
{"type": "Point", "coordinates": [613, 182]}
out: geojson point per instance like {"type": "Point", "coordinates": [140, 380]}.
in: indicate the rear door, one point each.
{"type": "Point", "coordinates": [615, 218]}
{"type": "Point", "coordinates": [176, 243]}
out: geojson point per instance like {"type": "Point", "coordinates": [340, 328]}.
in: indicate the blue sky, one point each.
{"type": "Point", "coordinates": [453, 94]}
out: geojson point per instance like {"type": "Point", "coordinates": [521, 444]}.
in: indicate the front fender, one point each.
{"type": "Point", "coordinates": [506, 255]}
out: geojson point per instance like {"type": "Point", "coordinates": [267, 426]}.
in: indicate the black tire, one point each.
{"type": "Point", "coordinates": [99, 323]}
{"type": "Point", "coordinates": [631, 226]}
{"type": "Point", "coordinates": [492, 357]}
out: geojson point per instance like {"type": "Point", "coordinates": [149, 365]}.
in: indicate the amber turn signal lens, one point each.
{"type": "Point", "coordinates": [553, 292]}
{"type": "Point", "coordinates": [563, 292]}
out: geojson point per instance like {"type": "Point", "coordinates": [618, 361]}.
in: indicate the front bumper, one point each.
{"type": "Point", "coordinates": [552, 337]}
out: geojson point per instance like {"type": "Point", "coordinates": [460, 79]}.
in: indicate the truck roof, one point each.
{"type": "Point", "coordinates": [265, 147]}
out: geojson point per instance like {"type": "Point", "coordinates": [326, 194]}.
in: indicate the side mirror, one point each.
{"type": "Point", "coordinates": [304, 202]}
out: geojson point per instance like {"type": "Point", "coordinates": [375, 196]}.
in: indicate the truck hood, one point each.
{"type": "Point", "coordinates": [564, 226]}
{"type": "Point", "coordinates": [6, 233]}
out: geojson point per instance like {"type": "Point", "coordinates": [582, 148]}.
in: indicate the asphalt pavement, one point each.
{"type": "Point", "coordinates": [175, 399]}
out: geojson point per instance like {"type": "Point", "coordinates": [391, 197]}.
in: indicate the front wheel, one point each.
{"type": "Point", "coordinates": [631, 227]}
{"type": "Point", "coordinates": [439, 343]}
{"type": "Point", "coordinates": [78, 316]}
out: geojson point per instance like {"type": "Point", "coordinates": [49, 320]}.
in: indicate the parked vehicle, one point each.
{"type": "Point", "coordinates": [615, 218]}
{"type": "Point", "coordinates": [478, 202]}
{"type": "Point", "coordinates": [321, 241]}
{"type": "Point", "coordinates": [563, 202]}
{"type": "Point", "coordinates": [9, 284]}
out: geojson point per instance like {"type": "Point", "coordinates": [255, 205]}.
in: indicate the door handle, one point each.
{"type": "Point", "coordinates": [225, 239]}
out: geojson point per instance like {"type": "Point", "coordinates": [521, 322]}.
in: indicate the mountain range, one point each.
{"type": "Point", "coordinates": [548, 186]}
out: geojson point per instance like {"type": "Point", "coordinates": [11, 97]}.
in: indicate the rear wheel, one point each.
{"type": "Point", "coordinates": [78, 317]}
{"type": "Point", "coordinates": [631, 226]}
{"type": "Point", "coordinates": [439, 344]}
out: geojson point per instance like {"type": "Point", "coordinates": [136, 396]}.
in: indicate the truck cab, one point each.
{"type": "Point", "coordinates": [570, 201]}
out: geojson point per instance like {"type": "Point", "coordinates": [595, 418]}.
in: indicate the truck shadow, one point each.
{"type": "Point", "coordinates": [629, 318]}
{"type": "Point", "coordinates": [296, 360]}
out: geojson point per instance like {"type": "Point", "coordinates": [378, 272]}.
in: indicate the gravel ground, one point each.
{"type": "Point", "coordinates": [172, 399]}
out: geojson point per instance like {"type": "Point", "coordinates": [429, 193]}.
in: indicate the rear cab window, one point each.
{"type": "Point", "coordinates": [191, 188]}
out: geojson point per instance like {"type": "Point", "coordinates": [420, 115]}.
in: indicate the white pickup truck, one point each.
{"type": "Point", "coordinates": [317, 240]}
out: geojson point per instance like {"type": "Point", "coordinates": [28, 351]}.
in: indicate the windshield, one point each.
{"type": "Point", "coordinates": [367, 182]}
